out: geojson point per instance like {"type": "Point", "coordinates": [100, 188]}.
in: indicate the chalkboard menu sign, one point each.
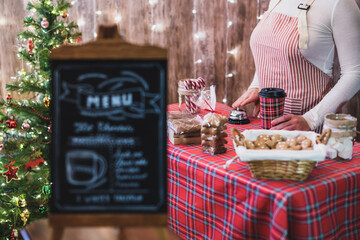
{"type": "Point", "coordinates": [109, 133]}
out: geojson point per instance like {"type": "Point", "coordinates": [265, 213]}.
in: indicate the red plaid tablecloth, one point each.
{"type": "Point", "coordinates": [208, 202]}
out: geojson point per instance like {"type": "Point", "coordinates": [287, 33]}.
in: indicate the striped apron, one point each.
{"type": "Point", "coordinates": [280, 64]}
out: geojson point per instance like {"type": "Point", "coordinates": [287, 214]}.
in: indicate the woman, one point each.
{"type": "Point", "coordinates": [293, 48]}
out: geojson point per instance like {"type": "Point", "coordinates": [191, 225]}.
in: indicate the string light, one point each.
{"type": "Point", "coordinates": [196, 35]}
{"type": "Point", "coordinates": [94, 23]}
{"type": "Point", "coordinates": [81, 22]}
{"type": "Point", "coordinates": [153, 2]}
{"type": "Point", "coordinates": [2, 21]}
{"type": "Point", "coordinates": [230, 75]}
{"type": "Point", "coordinates": [260, 17]}
{"type": "Point", "coordinates": [198, 61]}
{"type": "Point", "coordinates": [200, 35]}
{"type": "Point", "coordinates": [234, 51]}
{"type": "Point", "coordinates": [98, 12]}
{"type": "Point", "coordinates": [153, 26]}
{"type": "Point", "coordinates": [118, 18]}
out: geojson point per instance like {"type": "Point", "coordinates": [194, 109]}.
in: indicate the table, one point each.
{"type": "Point", "coordinates": [208, 202]}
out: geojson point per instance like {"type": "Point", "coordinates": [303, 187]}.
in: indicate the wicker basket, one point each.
{"type": "Point", "coordinates": [273, 164]}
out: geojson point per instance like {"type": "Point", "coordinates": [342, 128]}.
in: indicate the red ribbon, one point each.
{"type": "Point", "coordinates": [9, 165]}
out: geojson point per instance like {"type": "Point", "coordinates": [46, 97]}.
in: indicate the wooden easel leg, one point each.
{"type": "Point", "coordinates": [122, 234]}
{"type": "Point", "coordinates": [57, 233]}
{"type": "Point", "coordinates": [161, 232]}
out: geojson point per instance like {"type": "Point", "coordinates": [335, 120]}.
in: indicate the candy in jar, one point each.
{"type": "Point", "coordinates": [189, 93]}
{"type": "Point", "coordinates": [343, 131]}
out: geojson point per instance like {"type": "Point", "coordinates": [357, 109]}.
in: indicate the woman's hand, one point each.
{"type": "Point", "coordinates": [290, 122]}
{"type": "Point", "coordinates": [251, 95]}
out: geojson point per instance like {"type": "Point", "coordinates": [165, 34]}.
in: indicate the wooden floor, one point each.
{"type": "Point", "coordinates": [40, 230]}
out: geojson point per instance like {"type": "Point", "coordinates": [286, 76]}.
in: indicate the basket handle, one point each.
{"type": "Point", "coordinates": [238, 137]}
{"type": "Point", "coordinates": [324, 137]}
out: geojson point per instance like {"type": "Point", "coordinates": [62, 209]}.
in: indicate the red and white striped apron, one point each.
{"type": "Point", "coordinates": [280, 64]}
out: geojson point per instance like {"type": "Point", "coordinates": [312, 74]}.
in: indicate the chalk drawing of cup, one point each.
{"type": "Point", "coordinates": [85, 168]}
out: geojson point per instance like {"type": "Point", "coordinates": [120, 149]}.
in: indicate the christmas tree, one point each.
{"type": "Point", "coordinates": [25, 129]}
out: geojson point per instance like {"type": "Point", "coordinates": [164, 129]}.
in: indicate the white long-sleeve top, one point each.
{"type": "Point", "coordinates": [330, 23]}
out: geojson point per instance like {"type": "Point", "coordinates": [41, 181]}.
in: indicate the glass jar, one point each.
{"type": "Point", "coordinates": [189, 93]}
{"type": "Point", "coordinates": [343, 131]}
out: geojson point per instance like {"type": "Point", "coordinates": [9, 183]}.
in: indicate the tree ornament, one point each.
{"type": "Point", "coordinates": [46, 101]}
{"type": "Point", "coordinates": [22, 202]}
{"type": "Point", "coordinates": [30, 46]}
{"type": "Point", "coordinates": [25, 125]}
{"type": "Point", "coordinates": [46, 190]}
{"type": "Point", "coordinates": [78, 39]}
{"type": "Point", "coordinates": [66, 41]}
{"type": "Point", "coordinates": [14, 234]}
{"type": "Point", "coordinates": [45, 23]}
{"type": "Point", "coordinates": [64, 15]}
{"type": "Point", "coordinates": [11, 172]}
{"type": "Point", "coordinates": [42, 209]}
{"type": "Point", "coordinates": [24, 216]}
{"type": "Point", "coordinates": [50, 128]}
{"type": "Point", "coordinates": [22, 72]}
{"type": "Point", "coordinates": [8, 98]}
{"type": "Point", "coordinates": [11, 123]}
{"type": "Point", "coordinates": [1, 146]}
{"type": "Point", "coordinates": [39, 161]}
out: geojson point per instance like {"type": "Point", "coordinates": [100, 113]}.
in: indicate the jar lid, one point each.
{"type": "Point", "coordinates": [339, 120]}
{"type": "Point", "coordinates": [272, 93]}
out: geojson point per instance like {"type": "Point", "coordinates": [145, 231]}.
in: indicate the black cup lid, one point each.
{"type": "Point", "coordinates": [272, 93]}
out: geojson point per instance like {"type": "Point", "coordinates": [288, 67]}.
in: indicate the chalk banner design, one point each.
{"type": "Point", "coordinates": [116, 98]}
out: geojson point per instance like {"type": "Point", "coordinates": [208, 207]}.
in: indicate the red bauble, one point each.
{"type": "Point", "coordinates": [30, 46]}
{"type": "Point", "coordinates": [25, 126]}
{"type": "Point", "coordinates": [64, 15]}
{"type": "Point", "coordinates": [11, 123]}
{"type": "Point", "coordinates": [45, 23]}
{"type": "Point", "coordinates": [78, 39]}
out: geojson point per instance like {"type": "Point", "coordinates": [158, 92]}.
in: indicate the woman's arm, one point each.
{"type": "Point", "coordinates": [345, 23]}
{"type": "Point", "coordinates": [346, 34]}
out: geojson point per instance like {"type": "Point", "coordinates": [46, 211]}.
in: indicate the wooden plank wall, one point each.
{"type": "Point", "coordinates": [179, 24]}
{"type": "Point", "coordinates": [178, 28]}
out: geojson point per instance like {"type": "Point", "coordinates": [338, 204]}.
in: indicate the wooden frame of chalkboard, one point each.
{"type": "Point", "coordinates": [109, 134]}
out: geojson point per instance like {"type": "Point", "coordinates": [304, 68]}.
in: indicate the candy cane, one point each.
{"type": "Point", "coordinates": [202, 82]}
{"type": "Point", "coordinates": [189, 104]}
{"type": "Point", "coordinates": [190, 84]}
